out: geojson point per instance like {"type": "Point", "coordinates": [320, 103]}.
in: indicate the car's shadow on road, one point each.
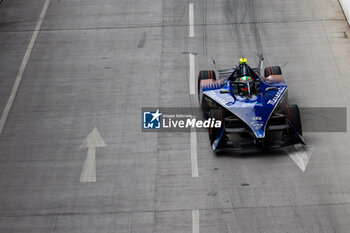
{"type": "Point", "coordinates": [250, 154]}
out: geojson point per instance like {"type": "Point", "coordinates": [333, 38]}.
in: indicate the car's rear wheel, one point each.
{"type": "Point", "coordinates": [272, 70]}
{"type": "Point", "coordinates": [203, 75]}
{"type": "Point", "coordinates": [292, 114]}
{"type": "Point", "coordinates": [216, 114]}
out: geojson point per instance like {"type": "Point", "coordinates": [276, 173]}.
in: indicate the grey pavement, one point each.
{"type": "Point", "coordinates": [97, 63]}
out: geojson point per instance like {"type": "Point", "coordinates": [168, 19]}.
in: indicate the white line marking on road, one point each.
{"type": "Point", "coordinates": [194, 159]}
{"type": "Point", "coordinates": [19, 76]}
{"type": "Point", "coordinates": [195, 221]}
{"type": "Point", "coordinates": [300, 154]}
{"type": "Point", "coordinates": [191, 19]}
{"type": "Point", "coordinates": [192, 77]}
{"type": "Point", "coordinates": [93, 140]}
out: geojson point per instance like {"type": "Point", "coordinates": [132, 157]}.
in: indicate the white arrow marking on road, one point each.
{"type": "Point", "coordinates": [93, 140]}
{"type": "Point", "coordinates": [300, 154]}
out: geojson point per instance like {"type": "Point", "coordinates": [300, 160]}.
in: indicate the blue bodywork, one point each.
{"type": "Point", "coordinates": [255, 111]}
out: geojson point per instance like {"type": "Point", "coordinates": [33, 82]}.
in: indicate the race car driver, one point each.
{"type": "Point", "coordinates": [244, 76]}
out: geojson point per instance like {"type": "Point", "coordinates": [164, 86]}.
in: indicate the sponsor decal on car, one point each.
{"type": "Point", "coordinates": [278, 94]}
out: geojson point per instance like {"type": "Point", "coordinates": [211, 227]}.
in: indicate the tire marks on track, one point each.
{"type": "Point", "coordinates": [237, 14]}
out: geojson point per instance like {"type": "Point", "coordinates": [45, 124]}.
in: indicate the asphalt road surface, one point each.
{"type": "Point", "coordinates": [96, 63]}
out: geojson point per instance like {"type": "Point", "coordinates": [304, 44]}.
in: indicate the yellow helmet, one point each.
{"type": "Point", "coordinates": [243, 61]}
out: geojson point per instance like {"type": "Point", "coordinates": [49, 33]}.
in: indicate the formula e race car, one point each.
{"type": "Point", "coordinates": [253, 109]}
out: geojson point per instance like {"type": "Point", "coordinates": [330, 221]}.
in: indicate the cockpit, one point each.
{"type": "Point", "coordinates": [244, 81]}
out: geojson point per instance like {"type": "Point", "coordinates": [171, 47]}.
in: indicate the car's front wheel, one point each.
{"type": "Point", "coordinates": [292, 114]}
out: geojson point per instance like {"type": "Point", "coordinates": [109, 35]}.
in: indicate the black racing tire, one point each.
{"type": "Point", "coordinates": [272, 70]}
{"type": "Point", "coordinates": [292, 113]}
{"type": "Point", "coordinates": [215, 114]}
{"type": "Point", "coordinates": [203, 75]}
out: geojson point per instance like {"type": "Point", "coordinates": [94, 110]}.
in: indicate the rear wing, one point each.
{"type": "Point", "coordinates": [225, 73]}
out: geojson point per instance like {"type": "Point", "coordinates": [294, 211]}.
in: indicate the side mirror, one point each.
{"type": "Point", "coordinates": [270, 89]}
{"type": "Point", "coordinates": [224, 91]}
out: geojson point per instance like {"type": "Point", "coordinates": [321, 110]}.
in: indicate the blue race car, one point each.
{"type": "Point", "coordinates": [253, 109]}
